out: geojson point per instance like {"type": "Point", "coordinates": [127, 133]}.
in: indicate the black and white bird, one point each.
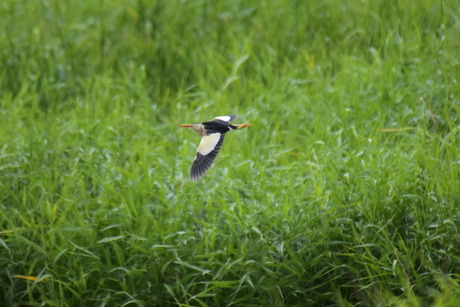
{"type": "Point", "coordinates": [212, 133]}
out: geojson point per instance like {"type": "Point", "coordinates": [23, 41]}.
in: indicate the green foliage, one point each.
{"type": "Point", "coordinates": [345, 191]}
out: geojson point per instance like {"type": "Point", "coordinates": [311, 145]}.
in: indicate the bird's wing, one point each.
{"type": "Point", "coordinates": [207, 152]}
{"type": "Point", "coordinates": [226, 118]}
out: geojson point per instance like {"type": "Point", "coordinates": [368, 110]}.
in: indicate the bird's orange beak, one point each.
{"type": "Point", "coordinates": [185, 126]}
{"type": "Point", "coordinates": [243, 126]}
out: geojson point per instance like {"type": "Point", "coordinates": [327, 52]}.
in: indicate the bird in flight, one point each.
{"type": "Point", "coordinates": [212, 133]}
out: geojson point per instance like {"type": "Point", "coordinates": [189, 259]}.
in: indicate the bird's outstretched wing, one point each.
{"type": "Point", "coordinates": [226, 118]}
{"type": "Point", "coordinates": [207, 152]}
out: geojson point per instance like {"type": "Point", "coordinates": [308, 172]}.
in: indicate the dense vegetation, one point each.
{"type": "Point", "coordinates": [345, 191]}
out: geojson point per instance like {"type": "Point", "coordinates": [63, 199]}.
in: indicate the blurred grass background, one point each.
{"type": "Point", "coordinates": [345, 191]}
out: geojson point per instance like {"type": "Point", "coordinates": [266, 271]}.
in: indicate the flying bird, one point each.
{"type": "Point", "coordinates": [213, 133]}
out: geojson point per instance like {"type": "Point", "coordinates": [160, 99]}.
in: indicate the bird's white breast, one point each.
{"type": "Point", "coordinates": [208, 143]}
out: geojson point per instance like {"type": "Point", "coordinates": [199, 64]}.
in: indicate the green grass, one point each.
{"type": "Point", "coordinates": [314, 204]}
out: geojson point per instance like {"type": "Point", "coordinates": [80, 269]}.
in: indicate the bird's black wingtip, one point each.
{"type": "Point", "coordinates": [197, 172]}
{"type": "Point", "coordinates": [194, 176]}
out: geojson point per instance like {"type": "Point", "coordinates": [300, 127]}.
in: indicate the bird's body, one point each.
{"type": "Point", "coordinates": [213, 133]}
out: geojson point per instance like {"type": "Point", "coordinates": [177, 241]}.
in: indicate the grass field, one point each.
{"type": "Point", "coordinates": [345, 191]}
